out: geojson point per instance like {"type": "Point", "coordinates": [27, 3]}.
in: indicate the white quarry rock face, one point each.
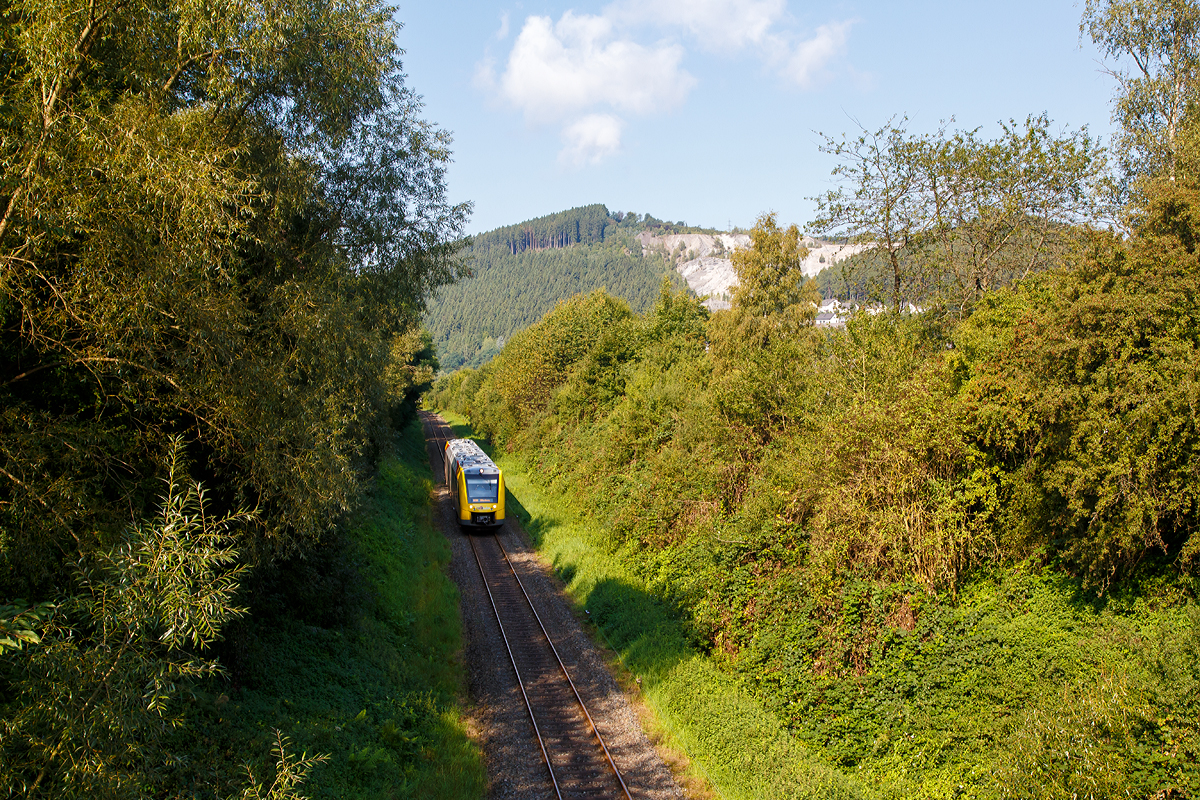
{"type": "Point", "coordinates": [832, 253]}
{"type": "Point", "coordinates": [710, 272]}
{"type": "Point", "coordinates": [701, 243]}
{"type": "Point", "coordinates": [710, 276]}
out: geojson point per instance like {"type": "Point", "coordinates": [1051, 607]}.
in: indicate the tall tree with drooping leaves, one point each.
{"type": "Point", "coordinates": [219, 223]}
{"type": "Point", "coordinates": [213, 221]}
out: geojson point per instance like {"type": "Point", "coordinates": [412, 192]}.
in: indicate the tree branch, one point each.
{"type": "Point", "coordinates": [210, 54]}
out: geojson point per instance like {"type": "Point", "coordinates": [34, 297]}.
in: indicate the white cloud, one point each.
{"type": "Point", "coordinates": [591, 139]}
{"type": "Point", "coordinates": [807, 60]}
{"type": "Point", "coordinates": [716, 24]}
{"type": "Point", "coordinates": [557, 70]}
{"type": "Point", "coordinates": [585, 71]}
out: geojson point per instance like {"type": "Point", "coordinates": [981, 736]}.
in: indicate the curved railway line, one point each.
{"type": "Point", "coordinates": [577, 760]}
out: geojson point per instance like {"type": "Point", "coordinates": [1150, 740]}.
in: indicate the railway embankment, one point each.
{"type": "Point", "coordinates": [716, 734]}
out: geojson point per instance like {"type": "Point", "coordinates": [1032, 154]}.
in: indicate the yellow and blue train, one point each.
{"type": "Point", "coordinates": [476, 484]}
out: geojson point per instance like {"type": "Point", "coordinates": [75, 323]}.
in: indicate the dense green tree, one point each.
{"type": "Point", "coordinates": [770, 281]}
{"type": "Point", "coordinates": [540, 358]}
{"type": "Point", "coordinates": [772, 299]}
{"type": "Point", "coordinates": [220, 236]}
{"type": "Point", "coordinates": [218, 226]}
{"type": "Point", "coordinates": [1089, 397]}
{"type": "Point", "coordinates": [759, 344]}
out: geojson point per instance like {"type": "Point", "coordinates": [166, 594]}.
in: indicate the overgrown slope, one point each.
{"type": "Point", "coordinates": [214, 256]}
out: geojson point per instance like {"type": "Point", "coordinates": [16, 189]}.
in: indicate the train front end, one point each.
{"type": "Point", "coordinates": [482, 493]}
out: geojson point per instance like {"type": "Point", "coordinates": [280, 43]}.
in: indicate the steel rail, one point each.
{"type": "Point", "coordinates": [596, 731]}
{"type": "Point", "coordinates": [516, 670]}
{"type": "Point", "coordinates": [435, 430]}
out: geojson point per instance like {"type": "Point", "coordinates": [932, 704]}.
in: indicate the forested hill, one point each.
{"type": "Point", "coordinates": [522, 270]}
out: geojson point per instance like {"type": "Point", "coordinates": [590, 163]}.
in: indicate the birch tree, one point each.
{"type": "Point", "coordinates": [952, 215]}
{"type": "Point", "coordinates": [1156, 47]}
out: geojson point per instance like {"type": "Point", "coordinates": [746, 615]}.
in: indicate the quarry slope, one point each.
{"type": "Point", "coordinates": [703, 259]}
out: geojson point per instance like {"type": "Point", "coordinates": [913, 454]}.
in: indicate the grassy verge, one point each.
{"type": "Point", "coordinates": [354, 654]}
{"type": "Point", "coordinates": [742, 750]}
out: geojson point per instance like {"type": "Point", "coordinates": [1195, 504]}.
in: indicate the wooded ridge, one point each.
{"type": "Point", "coordinates": [520, 271]}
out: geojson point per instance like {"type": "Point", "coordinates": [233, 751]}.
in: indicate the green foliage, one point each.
{"type": "Point", "coordinates": [950, 216]}
{"type": "Point", "coordinates": [353, 652]}
{"type": "Point", "coordinates": [863, 278]}
{"type": "Point", "coordinates": [98, 696]}
{"type": "Point", "coordinates": [218, 228]}
{"type": "Point", "coordinates": [20, 624]}
{"type": "Point", "coordinates": [586, 225]}
{"type": "Point", "coordinates": [895, 490]}
{"type": "Point", "coordinates": [290, 771]}
{"type": "Point", "coordinates": [409, 372]}
{"type": "Point", "coordinates": [760, 346]}
{"type": "Point", "coordinates": [951, 554]}
{"type": "Point", "coordinates": [1162, 40]}
{"type": "Point", "coordinates": [772, 299]}
{"type": "Point", "coordinates": [220, 238]}
{"type": "Point", "coordinates": [1089, 399]}
{"type": "Point", "coordinates": [538, 359]}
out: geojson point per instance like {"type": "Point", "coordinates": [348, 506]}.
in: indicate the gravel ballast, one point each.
{"type": "Point", "coordinates": [497, 715]}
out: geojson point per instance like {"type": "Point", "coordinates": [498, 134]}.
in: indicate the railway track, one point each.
{"type": "Point", "coordinates": [578, 762]}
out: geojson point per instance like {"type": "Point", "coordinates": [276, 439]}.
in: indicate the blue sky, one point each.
{"type": "Point", "coordinates": [705, 111]}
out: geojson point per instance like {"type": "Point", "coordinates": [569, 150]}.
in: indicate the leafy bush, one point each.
{"type": "Point", "coordinates": [97, 698]}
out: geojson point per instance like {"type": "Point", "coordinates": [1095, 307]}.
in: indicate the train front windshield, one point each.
{"type": "Point", "coordinates": [483, 488]}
